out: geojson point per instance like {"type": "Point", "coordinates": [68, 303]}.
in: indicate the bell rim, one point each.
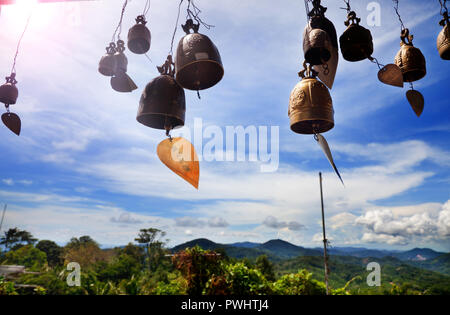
{"type": "Point", "coordinates": [308, 129]}
{"type": "Point", "coordinates": [198, 61]}
{"type": "Point", "coordinates": [160, 114]}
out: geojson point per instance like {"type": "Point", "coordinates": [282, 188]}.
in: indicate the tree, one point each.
{"type": "Point", "coordinates": [266, 267]}
{"type": "Point", "coordinates": [84, 251]}
{"type": "Point", "coordinates": [15, 236]}
{"type": "Point", "coordinates": [53, 251]}
{"type": "Point", "coordinates": [27, 256]}
{"type": "Point", "coordinates": [151, 238]}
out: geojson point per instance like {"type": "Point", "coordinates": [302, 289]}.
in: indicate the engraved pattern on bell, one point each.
{"type": "Point", "coordinates": [198, 63]}
{"type": "Point", "coordinates": [410, 59]}
{"type": "Point", "coordinates": [310, 107]}
{"type": "Point", "coordinates": [443, 43]}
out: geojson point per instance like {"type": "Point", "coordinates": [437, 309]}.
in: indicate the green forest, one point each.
{"type": "Point", "coordinates": [147, 267]}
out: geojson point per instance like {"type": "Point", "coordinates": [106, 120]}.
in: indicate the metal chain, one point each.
{"type": "Point", "coordinates": [13, 68]}
{"type": "Point", "coordinates": [118, 30]}
{"type": "Point", "coordinates": [398, 14]}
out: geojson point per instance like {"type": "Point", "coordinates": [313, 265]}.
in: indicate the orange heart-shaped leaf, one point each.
{"type": "Point", "coordinates": [416, 100]}
{"type": "Point", "coordinates": [179, 155]}
{"type": "Point", "coordinates": [391, 74]}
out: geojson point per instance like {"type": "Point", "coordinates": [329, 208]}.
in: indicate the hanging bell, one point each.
{"type": "Point", "coordinates": [443, 40]}
{"type": "Point", "coordinates": [162, 104]}
{"type": "Point", "coordinates": [198, 64]}
{"type": "Point", "coordinates": [139, 37]}
{"type": "Point", "coordinates": [356, 42]}
{"type": "Point", "coordinates": [319, 36]}
{"type": "Point", "coordinates": [8, 91]}
{"type": "Point", "coordinates": [310, 105]}
{"type": "Point", "coordinates": [410, 59]}
{"type": "Point", "coordinates": [121, 82]}
{"type": "Point", "coordinates": [107, 64]}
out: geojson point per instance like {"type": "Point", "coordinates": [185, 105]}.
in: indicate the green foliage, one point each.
{"type": "Point", "coordinates": [239, 279]}
{"type": "Point", "coordinates": [27, 256]}
{"type": "Point", "coordinates": [266, 267]}
{"type": "Point", "coordinates": [299, 283]}
{"type": "Point", "coordinates": [7, 287]}
{"type": "Point", "coordinates": [122, 267]}
{"type": "Point", "coordinates": [15, 238]}
{"type": "Point", "coordinates": [53, 252]}
{"type": "Point", "coordinates": [175, 286]}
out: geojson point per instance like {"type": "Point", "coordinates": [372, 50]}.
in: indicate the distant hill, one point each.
{"type": "Point", "coordinates": [245, 244]}
{"type": "Point", "coordinates": [418, 254]}
{"type": "Point", "coordinates": [439, 264]}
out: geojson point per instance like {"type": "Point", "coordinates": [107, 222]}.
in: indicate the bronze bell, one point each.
{"type": "Point", "coordinates": [443, 40]}
{"type": "Point", "coordinates": [410, 59]}
{"type": "Point", "coordinates": [139, 37]}
{"type": "Point", "coordinates": [319, 37]}
{"type": "Point", "coordinates": [121, 82]}
{"type": "Point", "coordinates": [8, 91]}
{"type": "Point", "coordinates": [310, 105]}
{"type": "Point", "coordinates": [162, 104]}
{"type": "Point", "coordinates": [198, 64]}
{"type": "Point", "coordinates": [107, 64]}
{"type": "Point", "coordinates": [356, 42]}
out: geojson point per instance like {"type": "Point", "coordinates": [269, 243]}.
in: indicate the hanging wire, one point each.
{"type": "Point", "coordinates": [176, 27]}
{"type": "Point", "coordinates": [347, 6]}
{"type": "Point", "coordinates": [443, 6]}
{"type": "Point", "coordinates": [118, 30]}
{"type": "Point", "coordinates": [13, 68]}
{"type": "Point", "coordinates": [146, 8]}
{"type": "Point", "coordinates": [398, 14]}
{"type": "Point", "coordinates": [194, 14]}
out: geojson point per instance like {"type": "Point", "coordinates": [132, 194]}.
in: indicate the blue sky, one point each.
{"type": "Point", "coordinates": [83, 165]}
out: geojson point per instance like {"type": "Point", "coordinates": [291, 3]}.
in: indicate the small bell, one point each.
{"type": "Point", "coordinates": [310, 105]}
{"type": "Point", "coordinates": [107, 64]}
{"type": "Point", "coordinates": [8, 91]}
{"type": "Point", "coordinates": [198, 64]}
{"type": "Point", "coordinates": [162, 104]}
{"type": "Point", "coordinates": [356, 42]}
{"type": "Point", "coordinates": [121, 82]}
{"type": "Point", "coordinates": [139, 37]}
{"type": "Point", "coordinates": [410, 59]}
{"type": "Point", "coordinates": [443, 40]}
{"type": "Point", "coordinates": [319, 36]}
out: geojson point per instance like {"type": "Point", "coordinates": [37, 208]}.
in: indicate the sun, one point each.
{"type": "Point", "coordinates": [18, 12]}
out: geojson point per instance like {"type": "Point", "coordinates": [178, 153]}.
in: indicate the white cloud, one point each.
{"type": "Point", "coordinates": [273, 222]}
{"type": "Point", "coordinates": [125, 218]}
{"type": "Point", "coordinates": [8, 181]}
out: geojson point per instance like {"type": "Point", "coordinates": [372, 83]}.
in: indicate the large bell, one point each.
{"type": "Point", "coordinates": [410, 59]}
{"type": "Point", "coordinates": [356, 42]}
{"type": "Point", "coordinates": [139, 37]}
{"type": "Point", "coordinates": [319, 37]}
{"type": "Point", "coordinates": [8, 91]}
{"type": "Point", "coordinates": [198, 64]}
{"type": "Point", "coordinates": [162, 104]}
{"type": "Point", "coordinates": [443, 40]}
{"type": "Point", "coordinates": [310, 105]}
{"type": "Point", "coordinates": [107, 64]}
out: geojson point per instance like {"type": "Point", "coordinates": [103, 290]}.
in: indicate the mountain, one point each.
{"type": "Point", "coordinates": [245, 244]}
{"type": "Point", "coordinates": [418, 254]}
{"type": "Point", "coordinates": [439, 264]}
{"type": "Point", "coordinates": [274, 249]}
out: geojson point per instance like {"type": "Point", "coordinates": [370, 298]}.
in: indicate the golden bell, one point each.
{"type": "Point", "coordinates": [107, 64]}
{"type": "Point", "coordinates": [318, 37]}
{"type": "Point", "coordinates": [443, 40]}
{"type": "Point", "coordinates": [139, 37]}
{"type": "Point", "coordinates": [162, 104]}
{"type": "Point", "coordinates": [8, 91]}
{"type": "Point", "coordinates": [410, 59]}
{"type": "Point", "coordinates": [310, 105]}
{"type": "Point", "coordinates": [198, 64]}
{"type": "Point", "coordinates": [356, 42]}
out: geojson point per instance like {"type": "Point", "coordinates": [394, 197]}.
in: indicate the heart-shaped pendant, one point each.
{"type": "Point", "coordinates": [12, 121]}
{"type": "Point", "coordinates": [391, 74]}
{"type": "Point", "coordinates": [179, 155]}
{"type": "Point", "coordinates": [415, 98]}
